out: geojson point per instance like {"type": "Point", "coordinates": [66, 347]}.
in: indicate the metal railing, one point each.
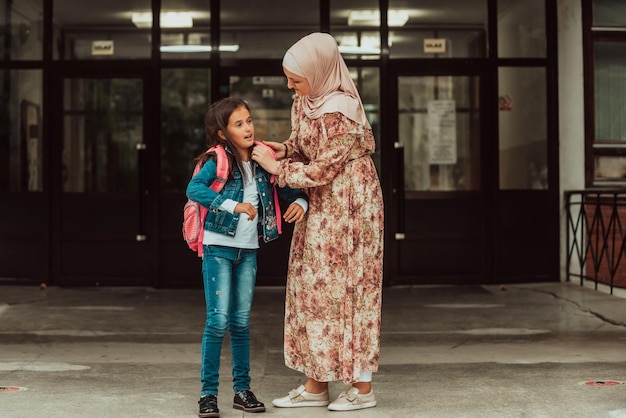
{"type": "Point", "coordinates": [596, 237]}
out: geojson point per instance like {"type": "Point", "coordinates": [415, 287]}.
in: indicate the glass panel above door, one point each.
{"type": "Point", "coordinates": [253, 30]}
{"type": "Point", "coordinates": [104, 30]}
{"type": "Point", "coordinates": [437, 29]}
{"type": "Point", "coordinates": [439, 129]}
{"type": "Point", "coordinates": [521, 28]}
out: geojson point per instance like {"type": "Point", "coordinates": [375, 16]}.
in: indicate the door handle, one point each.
{"type": "Point", "coordinates": [398, 188]}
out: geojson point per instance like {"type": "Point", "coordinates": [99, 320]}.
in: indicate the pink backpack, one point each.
{"type": "Point", "coordinates": [194, 213]}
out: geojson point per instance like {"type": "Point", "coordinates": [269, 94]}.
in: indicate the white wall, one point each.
{"type": "Point", "coordinates": [571, 108]}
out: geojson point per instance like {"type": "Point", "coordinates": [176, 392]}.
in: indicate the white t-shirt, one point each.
{"type": "Point", "coordinates": [247, 235]}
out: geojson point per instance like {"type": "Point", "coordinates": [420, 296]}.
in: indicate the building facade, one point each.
{"type": "Point", "coordinates": [480, 110]}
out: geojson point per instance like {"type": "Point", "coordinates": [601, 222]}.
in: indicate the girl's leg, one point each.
{"type": "Point", "coordinates": [217, 275]}
{"type": "Point", "coordinates": [244, 278]}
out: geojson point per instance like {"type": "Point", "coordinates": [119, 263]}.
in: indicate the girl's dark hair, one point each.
{"type": "Point", "coordinates": [215, 120]}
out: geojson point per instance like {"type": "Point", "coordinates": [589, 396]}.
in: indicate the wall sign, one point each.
{"type": "Point", "coordinates": [102, 48]}
{"type": "Point", "coordinates": [435, 46]}
{"type": "Point", "coordinates": [442, 131]}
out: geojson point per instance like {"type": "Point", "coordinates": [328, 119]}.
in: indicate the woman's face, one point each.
{"type": "Point", "coordinates": [241, 130]}
{"type": "Point", "coordinates": [299, 84]}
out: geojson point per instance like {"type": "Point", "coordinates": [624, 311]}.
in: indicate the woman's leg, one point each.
{"type": "Point", "coordinates": [217, 277]}
{"type": "Point", "coordinates": [244, 278]}
{"type": "Point", "coordinates": [364, 385]}
{"type": "Point", "coordinates": [313, 386]}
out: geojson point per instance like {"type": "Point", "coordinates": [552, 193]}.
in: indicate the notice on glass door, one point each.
{"type": "Point", "coordinates": [442, 131]}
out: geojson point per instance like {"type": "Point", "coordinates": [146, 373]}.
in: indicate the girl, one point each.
{"type": "Point", "coordinates": [231, 239]}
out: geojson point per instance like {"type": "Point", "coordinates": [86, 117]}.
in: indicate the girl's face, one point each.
{"type": "Point", "coordinates": [299, 84]}
{"type": "Point", "coordinates": [241, 131]}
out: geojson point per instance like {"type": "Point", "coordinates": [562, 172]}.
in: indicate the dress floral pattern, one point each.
{"type": "Point", "coordinates": [334, 280]}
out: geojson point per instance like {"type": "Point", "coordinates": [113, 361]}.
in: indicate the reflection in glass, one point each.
{"type": "Point", "coordinates": [355, 26]}
{"type": "Point", "coordinates": [21, 23]}
{"type": "Point", "coordinates": [185, 99]}
{"type": "Point", "coordinates": [439, 128]}
{"type": "Point", "coordinates": [610, 91]}
{"type": "Point", "coordinates": [270, 104]}
{"type": "Point", "coordinates": [102, 128]}
{"type": "Point", "coordinates": [523, 128]}
{"type": "Point", "coordinates": [521, 28]}
{"type": "Point", "coordinates": [185, 32]}
{"type": "Point", "coordinates": [21, 142]}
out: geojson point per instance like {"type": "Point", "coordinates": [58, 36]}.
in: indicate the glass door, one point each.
{"type": "Point", "coordinates": [270, 105]}
{"type": "Point", "coordinates": [103, 208]}
{"type": "Point", "coordinates": [439, 203]}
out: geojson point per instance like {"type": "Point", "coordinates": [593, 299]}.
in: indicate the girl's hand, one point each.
{"type": "Point", "coordinates": [294, 213]}
{"type": "Point", "coordinates": [246, 208]}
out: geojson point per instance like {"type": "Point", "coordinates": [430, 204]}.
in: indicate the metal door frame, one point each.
{"type": "Point", "coordinates": [148, 165]}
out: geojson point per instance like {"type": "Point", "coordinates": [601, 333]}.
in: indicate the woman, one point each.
{"type": "Point", "coordinates": [334, 279]}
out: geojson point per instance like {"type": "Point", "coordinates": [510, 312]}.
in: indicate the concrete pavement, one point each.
{"type": "Point", "coordinates": [528, 350]}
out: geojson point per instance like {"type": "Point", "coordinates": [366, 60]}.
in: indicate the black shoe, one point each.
{"type": "Point", "coordinates": [208, 407]}
{"type": "Point", "coordinates": [246, 401]}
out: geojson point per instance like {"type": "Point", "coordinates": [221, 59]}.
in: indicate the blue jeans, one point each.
{"type": "Point", "coordinates": [229, 276]}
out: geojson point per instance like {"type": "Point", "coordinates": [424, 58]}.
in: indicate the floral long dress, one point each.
{"type": "Point", "coordinates": [334, 279]}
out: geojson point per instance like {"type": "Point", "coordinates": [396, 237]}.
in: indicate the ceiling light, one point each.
{"type": "Point", "coordinates": [395, 18]}
{"type": "Point", "coordinates": [168, 19]}
{"type": "Point", "coordinates": [197, 48]}
{"type": "Point", "coordinates": [359, 50]}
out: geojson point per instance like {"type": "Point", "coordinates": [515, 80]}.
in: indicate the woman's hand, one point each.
{"type": "Point", "coordinates": [278, 147]}
{"type": "Point", "coordinates": [262, 156]}
{"type": "Point", "coordinates": [246, 208]}
{"type": "Point", "coordinates": [294, 213]}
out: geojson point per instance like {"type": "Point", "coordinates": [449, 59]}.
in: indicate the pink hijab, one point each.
{"type": "Point", "coordinates": [316, 57]}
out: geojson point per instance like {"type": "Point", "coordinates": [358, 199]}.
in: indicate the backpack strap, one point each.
{"type": "Point", "coordinates": [279, 220]}
{"type": "Point", "coordinates": [222, 167]}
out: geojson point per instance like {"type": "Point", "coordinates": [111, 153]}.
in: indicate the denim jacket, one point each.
{"type": "Point", "coordinates": [224, 222]}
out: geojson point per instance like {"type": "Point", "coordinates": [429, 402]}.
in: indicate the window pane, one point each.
{"type": "Point", "coordinates": [437, 29]}
{"type": "Point", "coordinates": [610, 91]}
{"type": "Point", "coordinates": [21, 29]}
{"type": "Point", "coordinates": [185, 31]}
{"type": "Point", "coordinates": [185, 99]}
{"type": "Point", "coordinates": [523, 128]}
{"type": "Point", "coordinates": [21, 148]}
{"type": "Point", "coordinates": [103, 123]}
{"type": "Point", "coordinates": [521, 28]}
{"type": "Point", "coordinates": [266, 32]}
{"type": "Point", "coordinates": [609, 169]}
{"type": "Point", "coordinates": [367, 81]}
{"type": "Point", "coordinates": [112, 33]}
{"type": "Point", "coordinates": [439, 126]}
{"type": "Point", "coordinates": [609, 13]}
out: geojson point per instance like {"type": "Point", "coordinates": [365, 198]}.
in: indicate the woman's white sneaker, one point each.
{"type": "Point", "coordinates": [300, 398]}
{"type": "Point", "coordinates": [351, 400]}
